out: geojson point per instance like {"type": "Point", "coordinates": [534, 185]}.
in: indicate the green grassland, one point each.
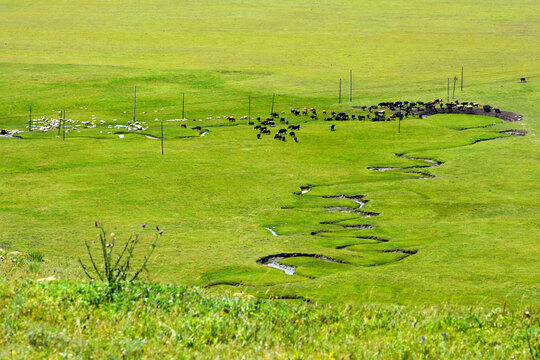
{"type": "Point", "coordinates": [474, 226]}
{"type": "Point", "coordinates": [447, 249]}
{"type": "Point", "coordinates": [434, 249]}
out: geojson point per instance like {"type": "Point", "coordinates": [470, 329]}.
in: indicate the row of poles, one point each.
{"type": "Point", "coordinates": [274, 96]}
{"type": "Point", "coordinates": [62, 120]}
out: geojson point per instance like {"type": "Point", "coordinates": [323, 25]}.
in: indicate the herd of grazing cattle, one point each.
{"type": "Point", "coordinates": [384, 111]}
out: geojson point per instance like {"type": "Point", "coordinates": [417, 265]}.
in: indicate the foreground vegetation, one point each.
{"type": "Point", "coordinates": [66, 319]}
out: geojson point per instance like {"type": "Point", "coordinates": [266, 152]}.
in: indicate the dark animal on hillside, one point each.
{"type": "Point", "coordinates": [333, 127]}
{"type": "Point", "coordinates": [294, 127]}
{"type": "Point", "coordinates": [231, 119]}
{"type": "Point", "coordinates": [361, 117]}
{"type": "Point", "coordinates": [258, 136]}
{"type": "Point", "coordinates": [197, 128]}
{"type": "Point", "coordinates": [283, 138]}
{"type": "Point", "coordinates": [277, 136]}
{"type": "Point", "coordinates": [282, 131]}
{"type": "Point", "coordinates": [274, 115]}
{"type": "Point", "coordinates": [257, 127]}
{"type": "Point", "coordinates": [313, 117]}
{"type": "Point", "coordinates": [304, 112]}
{"type": "Point", "coordinates": [487, 108]}
{"type": "Point", "coordinates": [523, 80]}
{"type": "Point", "coordinates": [282, 119]}
{"type": "Point", "coordinates": [251, 123]}
{"type": "Point", "coordinates": [292, 133]}
{"type": "Point", "coordinates": [497, 110]}
{"type": "Point", "coordinates": [183, 125]}
{"type": "Point", "coordinates": [295, 112]}
{"type": "Point", "coordinates": [295, 139]}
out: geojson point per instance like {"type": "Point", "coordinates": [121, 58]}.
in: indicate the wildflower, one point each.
{"type": "Point", "coordinates": [112, 234]}
{"type": "Point", "coordinates": [443, 336]}
{"type": "Point", "coordinates": [422, 340]}
{"type": "Point", "coordinates": [143, 225]}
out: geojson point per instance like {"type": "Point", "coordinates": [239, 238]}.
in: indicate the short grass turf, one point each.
{"type": "Point", "coordinates": [475, 225]}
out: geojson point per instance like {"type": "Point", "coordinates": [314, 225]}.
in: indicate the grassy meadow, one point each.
{"type": "Point", "coordinates": [443, 240]}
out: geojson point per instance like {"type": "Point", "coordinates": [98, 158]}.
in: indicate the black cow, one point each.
{"type": "Point", "coordinates": [333, 127]}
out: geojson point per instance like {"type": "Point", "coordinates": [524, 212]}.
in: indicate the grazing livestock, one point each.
{"type": "Point", "coordinates": [231, 119]}
{"type": "Point", "coordinates": [258, 136]}
{"type": "Point", "coordinates": [523, 80]}
{"type": "Point", "coordinates": [282, 131]}
{"type": "Point", "coordinates": [197, 128]}
{"type": "Point", "coordinates": [333, 127]}
{"type": "Point", "coordinates": [292, 133]}
{"type": "Point", "coordinates": [183, 125]}
{"type": "Point", "coordinates": [295, 139]}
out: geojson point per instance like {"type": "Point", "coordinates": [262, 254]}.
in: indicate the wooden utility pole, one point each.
{"type": "Point", "coordinates": [249, 109]}
{"type": "Point", "coordinates": [59, 122]}
{"type": "Point", "coordinates": [340, 91]}
{"type": "Point", "coordinates": [161, 137]}
{"type": "Point", "coordinates": [462, 78]}
{"type": "Point", "coordinates": [30, 120]}
{"type": "Point", "coordinates": [448, 91]}
{"type": "Point", "coordinates": [183, 101]}
{"type": "Point", "coordinates": [350, 86]}
{"type": "Point", "coordinates": [454, 88]}
{"type": "Point", "coordinates": [134, 102]}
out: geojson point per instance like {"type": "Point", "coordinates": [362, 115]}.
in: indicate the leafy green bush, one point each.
{"type": "Point", "coordinates": [116, 270]}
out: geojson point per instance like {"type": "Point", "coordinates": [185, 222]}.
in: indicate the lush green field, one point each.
{"type": "Point", "coordinates": [67, 319]}
{"type": "Point", "coordinates": [474, 226]}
